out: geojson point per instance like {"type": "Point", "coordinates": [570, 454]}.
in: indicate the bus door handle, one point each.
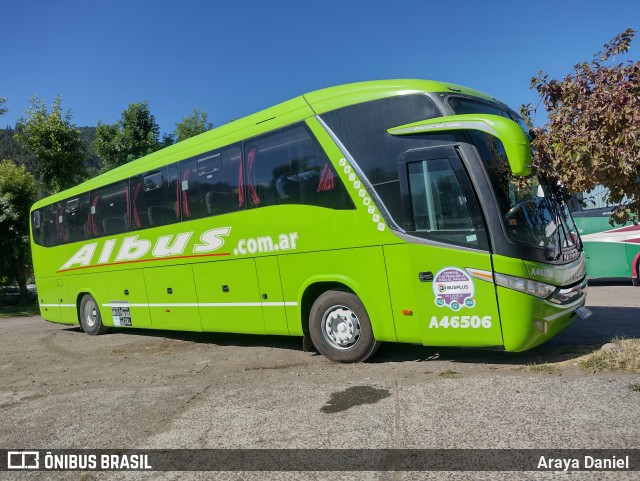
{"type": "Point", "coordinates": [425, 276]}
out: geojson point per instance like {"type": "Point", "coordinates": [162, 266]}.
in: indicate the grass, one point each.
{"type": "Point", "coordinates": [634, 387]}
{"type": "Point", "coordinates": [543, 368]}
{"type": "Point", "coordinates": [626, 358]}
{"type": "Point", "coordinates": [19, 311]}
{"type": "Point", "coordinates": [449, 374]}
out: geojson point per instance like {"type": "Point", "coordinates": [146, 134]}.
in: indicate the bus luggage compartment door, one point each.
{"type": "Point", "coordinates": [229, 296]}
{"type": "Point", "coordinates": [273, 311]}
{"type": "Point", "coordinates": [48, 298]}
{"type": "Point", "coordinates": [173, 303]}
{"type": "Point", "coordinates": [127, 288]}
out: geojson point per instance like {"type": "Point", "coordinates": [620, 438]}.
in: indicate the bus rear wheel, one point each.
{"type": "Point", "coordinates": [340, 327]}
{"type": "Point", "coordinates": [90, 318]}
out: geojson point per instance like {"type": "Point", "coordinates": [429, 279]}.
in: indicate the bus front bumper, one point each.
{"type": "Point", "coordinates": [546, 317]}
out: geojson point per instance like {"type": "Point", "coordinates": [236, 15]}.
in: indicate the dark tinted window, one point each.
{"type": "Point", "coordinates": [155, 198]}
{"type": "Point", "coordinates": [465, 105]}
{"type": "Point", "coordinates": [110, 209]}
{"type": "Point", "coordinates": [73, 219]}
{"type": "Point", "coordinates": [44, 223]}
{"type": "Point", "coordinates": [362, 128]}
{"type": "Point", "coordinates": [210, 183]}
{"type": "Point", "coordinates": [289, 167]}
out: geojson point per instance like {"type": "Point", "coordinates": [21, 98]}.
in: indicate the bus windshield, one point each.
{"type": "Point", "coordinates": [466, 105]}
{"type": "Point", "coordinates": [532, 209]}
{"type": "Point", "coordinates": [533, 216]}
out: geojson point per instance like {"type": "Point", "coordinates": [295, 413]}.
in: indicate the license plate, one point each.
{"type": "Point", "coordinates": [583, 312]}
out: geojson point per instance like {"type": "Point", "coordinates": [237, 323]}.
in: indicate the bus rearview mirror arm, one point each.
{"type": "Point", "coordinates": [515, 141]}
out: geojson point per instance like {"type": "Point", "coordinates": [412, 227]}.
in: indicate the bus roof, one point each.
{"type": "Point", "coordinates": [280, 115]}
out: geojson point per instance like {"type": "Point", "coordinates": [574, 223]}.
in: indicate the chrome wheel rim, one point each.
{"type": "Point", "coordinates": [90, 313]}
{"type": "Point", "coordinates": [341, 327]}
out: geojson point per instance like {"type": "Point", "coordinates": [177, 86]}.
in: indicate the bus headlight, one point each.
{"type": "Point", "coordinates": [535, 288]}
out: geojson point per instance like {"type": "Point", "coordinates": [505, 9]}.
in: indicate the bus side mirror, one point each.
{"type": "Point", "coordinates": [514, 139]}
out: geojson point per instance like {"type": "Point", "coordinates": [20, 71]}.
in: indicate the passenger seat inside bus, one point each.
{"type": "Point", "coordinates": [160, 215]}
{"type": "Point", "coordinates": [115, 225]}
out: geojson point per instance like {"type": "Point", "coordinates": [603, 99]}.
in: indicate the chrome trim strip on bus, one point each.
{"type": "Point", "coordinates": [433, 243]}
{"type": "Point", "coordinates": [382, 208]}
{"type": "Point", "coordinates": [205, 304]}
{"type": "Point", "coordinates": [570, 295]}
{"type": "Point", "coordinates": [569, 308]}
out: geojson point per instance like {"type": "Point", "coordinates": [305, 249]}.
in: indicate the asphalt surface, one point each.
{"type": "Point", "coordinates": [62, 389]}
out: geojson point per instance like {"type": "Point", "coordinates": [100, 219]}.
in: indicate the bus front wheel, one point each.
{"type": "Point", "coordinates": [90, 318]}
{"type": "Point", "coordinates": [340, 327]}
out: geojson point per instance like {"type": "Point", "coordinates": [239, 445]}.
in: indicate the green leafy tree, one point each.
{"type": "Point", "coordinates": [3, 110]}
{"type": "Point", "coordinates": [593, 133]}
{"type": "Point", "coordinates": [17, 193]}
{"type": "Point", "coordinates": [135, 135]}
{"type": "Point", "coordinates": [55, 143]}
{"type": "Point", "coordinates": [192, 125]}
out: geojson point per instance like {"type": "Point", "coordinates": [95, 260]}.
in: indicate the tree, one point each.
{"type": "Point", "coordinates": [593, 133]}
{"type": "Point", "coordinates": [55, 143]}
{"type": "Point", "coordinates": [2, 109]}
{"type": "Point", "coordinates": [192, 125]}
{"type": "Point", "coordinates": [135, 135]}
{"type": "Point", "coordinates": [17, 193]}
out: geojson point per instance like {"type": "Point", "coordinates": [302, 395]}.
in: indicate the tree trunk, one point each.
{"type": "Point", "coordinates": [19, 274]}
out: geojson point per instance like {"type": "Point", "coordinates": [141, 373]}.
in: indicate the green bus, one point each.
{"type": "Point", "coordinates": [398, 211]}
{"type": "Point", "coordinates": [609, 252]}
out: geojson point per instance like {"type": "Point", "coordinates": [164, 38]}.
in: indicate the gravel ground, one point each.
{"type": "Point", "coordinates": [61, 389]}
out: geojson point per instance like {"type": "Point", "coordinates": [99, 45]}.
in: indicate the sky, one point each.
{"type": "Point", "coordinates": [233, 58]}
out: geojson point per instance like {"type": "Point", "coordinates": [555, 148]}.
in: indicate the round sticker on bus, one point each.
{"type": "Point", "coordinates": [453, 288]}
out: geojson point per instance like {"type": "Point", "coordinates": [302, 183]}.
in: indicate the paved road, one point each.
{"type": "Point", "coordinates": [135, 389]}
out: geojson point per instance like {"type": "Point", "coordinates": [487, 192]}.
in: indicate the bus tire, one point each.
{"type": "Point", "coordinates": [90, 318]}
{"type": "Point", "coordinates": [340, 327]}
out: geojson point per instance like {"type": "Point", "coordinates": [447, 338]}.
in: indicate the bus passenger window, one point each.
{"type": "Point", "coordinates": [210, 183]}
{"type": "Point", "coordinates": [44, 226]}
{"type": "Point", "coordinates": [75, 212]}
{"type": "Point", "coordinates": [48, 230]}
{"type": "Point", "coordinates": [36, 226]}
{"type": "Point", "coordinates": [110, 209]}
{"type": "Point", "coordinates": [289, 167]}
{"type": "Point", "coordinates": [154, 198]}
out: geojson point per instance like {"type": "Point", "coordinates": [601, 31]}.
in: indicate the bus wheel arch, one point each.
{"type": "Point", "coordinates": [339, 326]}
{"type": "Point", "coordinates": [78, 301]}
{"type": "Point", "coordinates": [311, 293]}
{"type": "Point", "coordinates": [89, 316]}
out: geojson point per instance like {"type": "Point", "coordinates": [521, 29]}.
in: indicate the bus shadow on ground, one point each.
{"type": "Point", "coordinates": [580, 338]}
{"type": "Point", "coordinates": [218, 338]}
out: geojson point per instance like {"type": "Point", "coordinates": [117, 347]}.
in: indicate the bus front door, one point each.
{"type": "Point", "coordinates": [441, 281]}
